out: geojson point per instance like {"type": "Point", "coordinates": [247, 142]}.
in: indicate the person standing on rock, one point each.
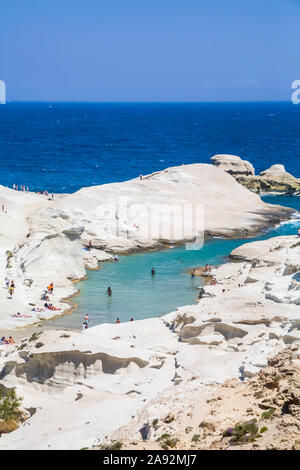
{"type": "Point", "coordinates": [6, 282]}
{"type": "Point", "coordinates": [11, 291]}
{"type": "Point", "coordinates": [201, 293]}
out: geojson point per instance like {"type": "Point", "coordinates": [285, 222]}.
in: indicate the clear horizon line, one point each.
{"type": "Point", "coordinates": [147, 101]}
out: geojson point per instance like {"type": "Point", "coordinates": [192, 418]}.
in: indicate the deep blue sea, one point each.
{"type": "Point", "coordinates": [62, 147]}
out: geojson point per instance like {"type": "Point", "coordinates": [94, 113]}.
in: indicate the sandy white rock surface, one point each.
{"type": "Point", "coordinates": [43, 241]}
{"type": "Point", "coordinates": [85, 386]}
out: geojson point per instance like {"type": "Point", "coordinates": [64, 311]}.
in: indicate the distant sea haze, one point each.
{"type": "Point", "coordinates": [62, 147]}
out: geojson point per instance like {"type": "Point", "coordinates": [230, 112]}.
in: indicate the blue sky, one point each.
{"type": "Point", "coordinates": [149, 50]}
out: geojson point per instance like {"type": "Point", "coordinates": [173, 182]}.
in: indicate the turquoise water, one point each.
{"type": "Point", "coordinates": [136, 293]}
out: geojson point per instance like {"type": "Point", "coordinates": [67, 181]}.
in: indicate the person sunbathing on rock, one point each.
{"type": "Point", "coordinates": [51, 307]}
{"type": "Point", "coordinates": [10, 340]}
{"type": "Point", "coordinates": [3, 340]}
{"type": "Point", "coordinates": [18, 315]}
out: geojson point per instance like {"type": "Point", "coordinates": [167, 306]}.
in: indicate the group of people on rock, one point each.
{"type": "Point", "coordinates": [25, 189]}
{"type": "Point", "coordinates": [208, 268]}
{"type": "Point", "coordinates": [21, 188]}
{"type": "Point", "coordinates": [45, 296]}
{"type": "Point", "coordinates": [45, 193]}
{"type": "Point", "coordinates": [7, 341]}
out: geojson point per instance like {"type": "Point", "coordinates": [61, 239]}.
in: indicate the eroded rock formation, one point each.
{"type": "Point", "coordinates": [275, 179]}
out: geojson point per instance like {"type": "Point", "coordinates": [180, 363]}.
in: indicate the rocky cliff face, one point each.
{"type": "Point", "coordinates": [274, 179]}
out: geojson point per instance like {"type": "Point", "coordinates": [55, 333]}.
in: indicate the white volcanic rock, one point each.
{"type": "Point", "coordinates": [93, 257]}
{"type": "Point", "coordinates": [109, 373]}
{"type": "Point", "coordinates": [275, 170]}
{"type": "Point", "coordinates": [141, 206]}
{"type": "Point", "coordinates": [43, 241]}
{"type": "Point", "coordinates": [233, 164]}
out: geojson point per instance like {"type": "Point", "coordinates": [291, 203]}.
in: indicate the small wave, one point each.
{"type": "Point", "coordinates": [296, 215]}
{"type": "Point", "coordinates": [295, 220]}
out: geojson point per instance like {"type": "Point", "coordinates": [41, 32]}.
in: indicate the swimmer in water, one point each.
{"type": "Point", "coordinates": [152, 271]}
{"type": "Point", "coordinates": [109, 292]}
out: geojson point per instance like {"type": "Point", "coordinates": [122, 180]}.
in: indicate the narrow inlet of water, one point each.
{"type": "Point", "coordinates": [136, 293]}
